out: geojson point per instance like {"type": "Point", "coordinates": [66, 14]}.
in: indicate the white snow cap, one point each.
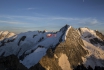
{"type": "Point", "coordinates": [31, 46]}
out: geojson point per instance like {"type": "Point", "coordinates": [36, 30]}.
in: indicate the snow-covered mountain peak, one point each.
{"type": "Point", "coordinates": [30, 44]}
{"type": "Point", "coordinates": [64, 27]}
{"type": "Point", "coordinates": [6, 34]}
{"type": "Point", "coordinates": [55, 50]}
{"type": "Point", "coordinates": [91, 36]}
{"type": "Point", "coordinates": [86, 32]}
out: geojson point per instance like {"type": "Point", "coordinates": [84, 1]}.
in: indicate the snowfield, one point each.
{"type": "Point", "coordinates": [95, 55]}
{"type": "Point", "coordinates": [31, 46]}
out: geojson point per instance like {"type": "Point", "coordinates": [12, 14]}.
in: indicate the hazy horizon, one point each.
{"type": "Point", "coordinates": [31, 15]}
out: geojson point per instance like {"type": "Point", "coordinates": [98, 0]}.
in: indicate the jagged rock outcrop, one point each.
{"type": "Point", "coordinates": [72, 48]}
{"type": "Point", "coordinates": [99, 34]}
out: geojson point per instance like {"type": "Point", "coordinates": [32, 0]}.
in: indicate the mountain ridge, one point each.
{"type": "Point", "coordinates": [48, 49]}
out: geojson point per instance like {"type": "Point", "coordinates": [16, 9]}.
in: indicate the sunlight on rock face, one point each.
{"type": "Point", "coordinates": [64, 63]}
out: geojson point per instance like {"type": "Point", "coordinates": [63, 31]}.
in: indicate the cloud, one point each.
{"type": "Point", "coordinates": [31, 8]}
{"type": "Point", "coordinates": [89, 21]}
{"type": "Point", "coordinates": [26, 23]}
{"type": "Point", "coordinates": [51, 19]}
{"type": "Point", "coordinates": [11, 22]}
{"type": "Point", "coordinates": [94, 21]}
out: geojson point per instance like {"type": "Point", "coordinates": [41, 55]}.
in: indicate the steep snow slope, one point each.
{"type": "Point", "coordinates": [95, 56]}
{"type": "Point", "coordinates": [95, 46]}
{"type": "Point", "coordinates": [92, 37]}
{"type": "Point", "coordinates": [30, 47]}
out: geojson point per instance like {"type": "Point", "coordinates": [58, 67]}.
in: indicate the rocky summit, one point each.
{"type": "Point", "coordinates": [66, 49]}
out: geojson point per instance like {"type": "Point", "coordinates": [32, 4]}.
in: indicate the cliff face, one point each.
{"type": "Point", "coordinates": [67, 55]}
{"type": "Point", "coordinates": [100, 35]}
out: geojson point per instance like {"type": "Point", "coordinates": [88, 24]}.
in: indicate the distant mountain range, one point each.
{"type": "Point", "coordinates": [65, 49]}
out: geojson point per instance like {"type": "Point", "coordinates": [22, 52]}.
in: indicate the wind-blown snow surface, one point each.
{"type": "Point", "coordinates": [94, 47]}
{"type": "Point", "coordinates": [30, 47]}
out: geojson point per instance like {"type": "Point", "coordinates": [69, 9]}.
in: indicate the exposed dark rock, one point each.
{"type": "Point", "coordinates": [98, 68]}
{"type": "Point", "coordinates": [34, 36]}
{"type": "Point", "coordinates": [82, 67]}
{"type": "Point", "coordinates": [11, 63]}
{"type": "Point", "coordinates": [50, 53]}
{"type": "Point", "coordinates": [21, 39]}
{"type": "Point", "coordinates": [3, 41]}
{"type": "Point", "coordinates": [11, 40]}
{"type": "Point", "coordinates": [38, 66]}
{"type": "Point", "coordinates": [90, 68]}
{"type": "Point", "coordinates": [41, 39]}
{"type": "Point", "coordinates": [40, 46]}
{"type": "Point", "coordinates": [2, 54]}
{"type": "Point", "coordinates": [97, 41]}
{"type": "Point", "coordinates": [44, 31]}
{"type": "Point", "coordinates": [23, 56]}
{"type": "Point", "coordinates": [39, 31]}
{"type": "Point", "coordinates": [100, 35]}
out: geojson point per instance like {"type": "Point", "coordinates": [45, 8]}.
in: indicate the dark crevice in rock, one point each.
{"type": "Point", "coordinates": [34, 36]}
{"type": "Point", "coordinates": [2, 54]}
{"type": "Point", "coordinates": [18, 52]}
{"type": "Point", "coordinates": [21, 39]}
{"type": "Point", "coordinates": [41, 39]}
{"type": "Point", "coordinates": [100, 35]}
{"type": "Point", "coordinates": [50, 53]}
{"type": "Point", "coordinates": [24, 54]}
{"type": "Point", "coordinates": [97, 41]}
{"type": "Point", "coordinates": [2, 43]}
{"type": "Point", "coordinates": [82, 67]}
